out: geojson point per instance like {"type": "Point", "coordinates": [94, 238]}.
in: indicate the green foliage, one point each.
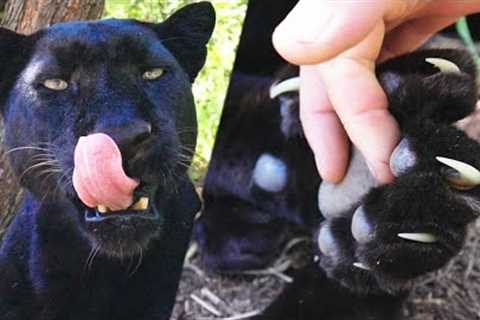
{"type": "Point", "coordinates": [464, 33]}
{"type": "Point", "coordinates": [211, 85]}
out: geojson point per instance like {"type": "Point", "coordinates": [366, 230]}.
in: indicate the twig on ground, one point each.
{"type": "Point", "coordinates": [195, 269]}
{"type": "Point", "coordinates": [207, 306]}
{"type": "Point", "coordinates": [235, 317]}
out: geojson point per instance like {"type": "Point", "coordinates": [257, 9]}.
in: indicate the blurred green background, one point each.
{"type": "Point", "coordinates": [211, 86]}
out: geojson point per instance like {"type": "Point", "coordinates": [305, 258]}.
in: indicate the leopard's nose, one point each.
{"type": "Point", "coordinates": [130, 136]}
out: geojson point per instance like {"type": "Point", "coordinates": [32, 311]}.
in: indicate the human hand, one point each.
{"type": "Point", "coordinates": [337, 44]}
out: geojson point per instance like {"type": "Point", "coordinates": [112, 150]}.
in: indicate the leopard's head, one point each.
{"type": "Point", "coordinates": [111, 100]}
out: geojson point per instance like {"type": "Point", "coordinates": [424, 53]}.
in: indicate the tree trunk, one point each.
{"type": "Point", "coordinates": [27, 16]}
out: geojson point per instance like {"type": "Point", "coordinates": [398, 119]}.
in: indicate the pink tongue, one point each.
{"type": "Point", "coordinates": [98, 176]}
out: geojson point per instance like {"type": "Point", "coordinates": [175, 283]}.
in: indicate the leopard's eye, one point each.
{"type": "Point", "coordinates": [55, 84]}
{"type": "Point", "coordinates": [153, 74]}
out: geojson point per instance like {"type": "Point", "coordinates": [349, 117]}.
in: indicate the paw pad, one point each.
{"type": "Point", "coordinates": [326, 241]}
{"type": "Point", "coordinates": [270, 173]}
{"type": "Point", "coordinates": [362, 231]}
{"type": "Point", "coordinates": [402, 158]}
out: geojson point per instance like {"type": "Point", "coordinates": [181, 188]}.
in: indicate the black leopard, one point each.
{"type": "Point", "coordinates": [100, 125]}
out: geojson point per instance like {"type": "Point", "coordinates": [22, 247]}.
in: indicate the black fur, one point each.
{"type": "Point", "coordinates": [426, 103]}
{"type": "Point", "coordinates": [243, 226]}
{"type": "Point", "coordinates": [55, 264]}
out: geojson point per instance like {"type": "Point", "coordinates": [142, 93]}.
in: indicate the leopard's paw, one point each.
{"type": "Point", "coordinates": [385, 236]}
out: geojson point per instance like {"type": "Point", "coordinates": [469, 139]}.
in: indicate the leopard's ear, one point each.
{"type": "Point", "coordinates": [436, 84]}
{"type": "Point", "coordinates": [186, 34]}
{"type": "Point", "coordinates": [13, 55]}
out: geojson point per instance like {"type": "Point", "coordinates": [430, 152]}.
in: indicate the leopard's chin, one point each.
{"type": "Point", "coordinates": [125, 233]}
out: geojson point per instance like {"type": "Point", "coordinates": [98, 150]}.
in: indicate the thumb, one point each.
{"type": "Point", "coordinates": [317, 30]}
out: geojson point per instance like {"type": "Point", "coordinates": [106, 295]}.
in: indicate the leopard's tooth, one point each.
{"type": "Point", "coordinates": [102, 209]}
{"type": "Point", "coordinates": [362, 266]}
{"type": "Point", "coordinates": [419, 237]}
{"type": "Point", "coordinates": [141, 204]}
{"type": "Point", "coordinates": [289, 85]}
{"type": "Point", "coordinates": [444, 65]}
{"type": "Point", "coordinates": [468, 175]}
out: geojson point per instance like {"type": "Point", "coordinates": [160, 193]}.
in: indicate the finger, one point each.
{"type": "Point", "coordinates": [315, 31]}
{"type": "Point", "coordinates": [361, 103]}
{"type": "Point", "coordinates": [323, 130]}
{"type": "Point", "coordinates": [411, 35]}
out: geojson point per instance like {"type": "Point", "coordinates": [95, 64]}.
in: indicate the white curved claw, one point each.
{"type": "Point", "coordinates": [419, 237]}
{"type": "Point", "coordinates": [444, 65]}
{"type": "Point", "coordinates": [469, 175]}
{"type": "Point", "coordinates": [289, 85]}
{"type": "Point", "coordinates": [360, 265]}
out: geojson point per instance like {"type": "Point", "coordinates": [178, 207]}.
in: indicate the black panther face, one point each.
{"type": "Point", "coordinates": [126, 86]}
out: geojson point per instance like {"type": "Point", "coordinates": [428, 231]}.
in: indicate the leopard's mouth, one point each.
{"type": "Point", "coordinates": [143, 207]}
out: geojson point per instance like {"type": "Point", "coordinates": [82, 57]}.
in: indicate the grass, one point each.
{"type": "Point", "coordinates": [464, 33]}
{"type": "Point", "coordinates": [211, 85]}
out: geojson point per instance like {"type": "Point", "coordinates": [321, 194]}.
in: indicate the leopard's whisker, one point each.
{"type": "Point", "coordinates": [419, 237]}
{"type": "Point", "coordinates": [186, 130]}
{"type": "Point", "coordinates": [91, 256]}
{"type": "Point", "coordinates": [50, 171]}
{"type": "Point", "coordinates": [49, 163]}
{"type": "Point", "coordinates": [65, 181]}
{"type": "Point", "coordinates": [140, 260]}
{"type": "Point", "coordinates": [187, 149]}
{"type": "Point", "coordinates": [184, 162]}
{"type": "Point", "coordinates": [85, 266]}
{"type": "Point", "coordinates": [46, 156]}
{"type": "Point", "coordinates": [468, 175]}
{"type": "Point", "coordinates": [185, 157]}
{"type": "Point", "coordinates": [23, 148]}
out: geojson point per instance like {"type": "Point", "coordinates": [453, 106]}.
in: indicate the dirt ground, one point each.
{"type": "Point", "coordinates": [452, 293]}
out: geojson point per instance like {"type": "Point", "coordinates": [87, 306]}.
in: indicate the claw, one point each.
{"type": "Point", "coordinates": [467, 177]}
{"type": "Point", "coordinates": [444, 65]}
{"type": "Point", "coordinates": [289, 85]}
{"type": "Point", "coordinates": [419, 237]}
{"type": "Point", "coordinates": [360, 265]}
